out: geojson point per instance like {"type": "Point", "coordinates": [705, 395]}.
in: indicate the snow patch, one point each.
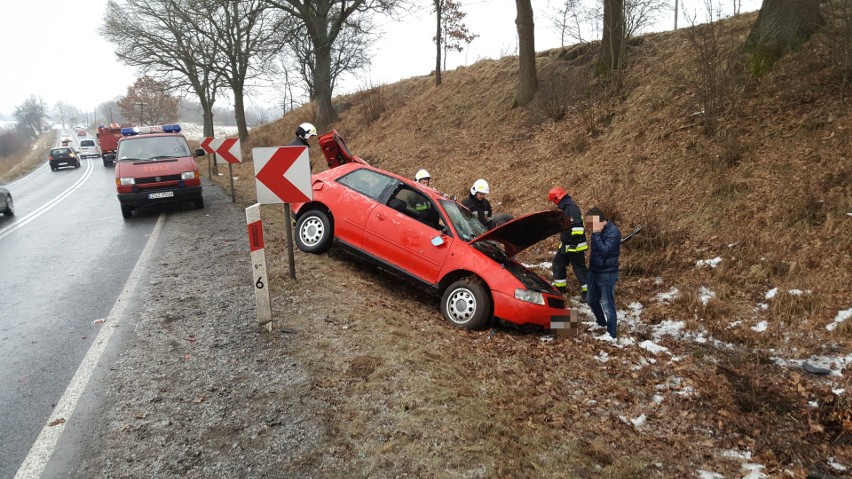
{"type": "Point", "coordinates": [735, 454]}
{"type": "Point", "coordinates": [705, 295]}
{"type": "Point", "coordinates": [670, 295]}
{"type": "Point", "coordinates": [834, 363]}
{"type": "Point", "coordinates": [702, 474]}
{"type": "Point", "coordinates": [753, 471]}
{"type": "Point", "coordinates": [639, 421]}
{"type": "Point", "coordinates": [709, 262]}
{"type": "Point", "coordinates": [838, 392]}
{"type": "Point", "coordinates": [813, 404]}
{"type": "Point", "coordinates": [760, 327]}
{"type": "Point", "coordinates": [841, 316]}
{"type": "Point", "coordinates": [771, 293]}
{"type": "Point", "coordinates": [668, 328]}
{"type": "Point", "coordinates": [543, 265]}
{"type": "Point", "coordinates": [602, 356]}
{"type": "Point", "coordinates": [836, 465]}
{"type": "Point", "coordinates": [653, 347]}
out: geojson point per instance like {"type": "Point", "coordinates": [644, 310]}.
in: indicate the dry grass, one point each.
{"type": "Point", "coordinates": [769, 195]}
{"type": "Point", "coordinates": [19, 164]}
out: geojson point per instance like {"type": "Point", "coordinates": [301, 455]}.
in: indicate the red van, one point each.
{"type": "Point", "coordinates": [154, 165]}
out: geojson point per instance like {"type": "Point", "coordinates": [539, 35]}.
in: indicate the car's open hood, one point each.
{"type": "Point", "coordinates": [521, 233]}
{"type": "Point", "coordinates": [335, 151]}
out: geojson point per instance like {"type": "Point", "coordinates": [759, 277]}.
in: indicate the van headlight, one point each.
{"type": "Point", "coordinates": [187, 175]}
{"type": "Point", "coordinates": [533, 297]}
{"type": "Point", "coordinates": [126, 181]}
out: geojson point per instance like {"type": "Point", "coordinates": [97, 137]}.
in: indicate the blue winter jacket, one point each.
{"type": "Point", "coordinates": [606, 246]}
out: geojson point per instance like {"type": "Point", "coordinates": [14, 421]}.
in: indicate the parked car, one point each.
{"type": "Point", "coordinates": [424, 236]}
{"type": "Point", "coordinates": [89, 148]}
{"type": "Point", "coordinates": [7, 206]}
{"type": "Point", "coordinates": [63, 156]}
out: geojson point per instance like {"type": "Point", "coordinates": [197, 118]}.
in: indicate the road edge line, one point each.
{"type": "Point", "coordinates": [41, 451]}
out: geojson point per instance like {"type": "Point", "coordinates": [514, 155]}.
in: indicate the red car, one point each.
{"type": "Point", "coordinates": [422, 235]}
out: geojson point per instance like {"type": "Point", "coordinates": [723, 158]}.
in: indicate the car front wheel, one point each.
{"type": "Point", "coordinates": [126, 211]}
{"type": "Point", "coordinates": [313, 232]}
{"type": "Point", "coordinates": [466, 304]}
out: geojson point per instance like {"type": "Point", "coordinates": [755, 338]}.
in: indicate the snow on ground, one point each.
{"type": "Point", "coordinates": [709, 262]}
{"type": "Point", "coordinates": [705, 295]}
{"type": "Point", "coordinates": [195, 131]}
{"type": "Point", "coordinates": [702, 474]}
{"type": "Point", "coordinates": [834, 363]}
{"type": "Point", "coordinates": [760, 327]}
{"type": "Point", "coordinates": [841, 316]}
{"type": "Point", "coordinates": [668, 296]}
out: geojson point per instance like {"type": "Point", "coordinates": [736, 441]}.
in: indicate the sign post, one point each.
{"type": "Point", "coordinates": [258, 266]}
{"type": "Point", "coordinates": [229, 150]}
{"type": "Point", "coordinates": [206, 146]}
{"type": "Point", "coordinates": [283, 175]}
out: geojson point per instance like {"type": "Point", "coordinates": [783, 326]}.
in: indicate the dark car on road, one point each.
{"type": "Point", "coordinates": [7, 207]}
{"type": "Point", "coordinates": [63, 157]}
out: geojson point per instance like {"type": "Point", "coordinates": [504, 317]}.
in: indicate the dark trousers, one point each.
{"type": "Point", "coordinates": [601, 300]}
{"type": "Point", "coordinates": [578, 264]}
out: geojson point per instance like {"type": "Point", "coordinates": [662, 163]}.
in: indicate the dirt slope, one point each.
{"type": "Point", "coordinates": [769, 195]}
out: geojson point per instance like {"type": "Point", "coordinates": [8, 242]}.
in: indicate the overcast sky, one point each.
{"type": "Point", "coordinates": [51, 48]}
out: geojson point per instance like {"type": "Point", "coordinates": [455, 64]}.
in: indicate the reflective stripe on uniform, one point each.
{"type": "Point", "coordinates": [576, 249]}
{"type": "Point", "coordinates": [584, 288]}
{"type": "Point", "coordinates": [578, 230]}
{"type": "Point", "coordinates": [560, 283]}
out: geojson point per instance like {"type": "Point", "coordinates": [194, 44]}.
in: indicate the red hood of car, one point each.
{"type": "Point", "coordinates": [335, 151]}
{"type": "Point", "coordinates": [521, 233]}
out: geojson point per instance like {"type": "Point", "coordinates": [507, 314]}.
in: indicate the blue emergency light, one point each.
{"type": "Point", "coordinates": [136, 130]}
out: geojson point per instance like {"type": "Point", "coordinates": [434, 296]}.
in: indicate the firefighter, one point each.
{"type": "Point", "coordinates": [476, 201]}
{"type": "Point", "coordinates": [422, 177]}
{"type": "Point", "coordinates": [303, 133]}
{"type": "Point", "coordinates": [572, 246]}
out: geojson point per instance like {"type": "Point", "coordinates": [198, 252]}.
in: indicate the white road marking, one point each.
{"type": "Point", "coordinates": [90, 168]}
{"type": "Point", "coordinates": [36, 460]}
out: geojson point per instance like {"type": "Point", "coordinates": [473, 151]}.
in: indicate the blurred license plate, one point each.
{"type": "Point", "coordinates": [165, 194]}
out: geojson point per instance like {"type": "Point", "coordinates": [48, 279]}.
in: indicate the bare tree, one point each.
{"type": "Point", "coordinates": [613, 41]}
{"type": "Point", "coordinates": [453, 30]}
{"type": "Point", "coordinates": [149, 100]}
{"type": "Point", "coordinates": [349, 53]}
{"type": "Point", "coordinates": [30, 114]}
{"type": "Point", "coordinates": [640, 14]}
{"type": "Point", "coordinates": [249, 36]}
{"type": "Point", "coordinates": [781, 25]}
{"type": "Point", "coordinates": [66, 112]}
{"type": "Point", "coordinates": [839, 32]}
{"type": "Point", "coordinates": [139, 29]}
{"type": "Point", "coordinates": [527, 76]}
{"type": "Point", "coordinates": [324, 20]}
{"type": "Point", "coordinates": [568, 20]}
{"type": "Point", "coordinates": [439, 13]}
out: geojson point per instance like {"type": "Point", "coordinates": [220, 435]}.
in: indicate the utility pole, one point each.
{"type": "Point", "coordinates": [141, 111]}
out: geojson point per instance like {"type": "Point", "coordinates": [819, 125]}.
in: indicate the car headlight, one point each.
{"type": "Point", "coordinates": [126, 181]}
{"type": "Point", "coordinates": [187, 175]}
{"type": "Point", "coordinates": [533, 297]}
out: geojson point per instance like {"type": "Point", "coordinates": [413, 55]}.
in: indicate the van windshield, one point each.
{"type": "Point", "coordinates": [153, 147]}
{"type": "Point", "coordinates": [87, 143]}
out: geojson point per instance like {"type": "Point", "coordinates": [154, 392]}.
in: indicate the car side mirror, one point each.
{"type": "Point", "coordinates": [200, 152]}
{"type": "Point", "coordinates": [437, 241]}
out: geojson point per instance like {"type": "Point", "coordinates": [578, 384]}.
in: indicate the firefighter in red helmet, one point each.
{"type": "Point", "coordinates": [573, 244]}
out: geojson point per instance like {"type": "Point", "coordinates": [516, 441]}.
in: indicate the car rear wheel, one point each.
{"type": "Point", "coordinates": [77, 165]}
{"type": "Point", "coordinates": [466, 304]}
{"type": "Point", "coordinates": [126, 211]}
{"type": "Point", "coordinates": [313, 232]}
{"type": "Point", "coordinates": [10, 207]}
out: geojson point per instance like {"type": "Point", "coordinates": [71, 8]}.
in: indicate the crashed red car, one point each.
{"type": "Point", "coordinates": [422, 235]}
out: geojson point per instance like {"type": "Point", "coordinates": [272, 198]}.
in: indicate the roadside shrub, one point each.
{"type": "Point", "coordinates": [373, 104]}
{"type": "Point", "coordinates": [11, 142]}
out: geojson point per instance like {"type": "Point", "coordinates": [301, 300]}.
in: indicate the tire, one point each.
{"type": "Point", "coordinates": [199, 202]}
{"type": "Point", "coordinates": [106, 163]}
{"type": "Point", "coordinates": [466, 304]}
{"type": "Point", "coordinates": [499, 219]}
{"type": "Point", "coordinates": [313, 232]}
{"type": "Point", "coordinates": [10, 206]}
{"type": "Point", "coordinates": [127, 211]}
{"type": "Point", "coordinates": [77, 165]}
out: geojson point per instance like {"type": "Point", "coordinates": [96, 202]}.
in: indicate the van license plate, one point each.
{"type": "Point", "coordinates": [165, 194]}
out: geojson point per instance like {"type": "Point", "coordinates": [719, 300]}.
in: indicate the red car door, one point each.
{"type": "Point", "coordinates": [406, 243]}
{"type": "Point", "coordinates": [349, 226]}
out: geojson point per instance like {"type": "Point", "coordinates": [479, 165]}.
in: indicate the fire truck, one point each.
{"type": "Point", "coordinates": [108, 136]}
{"type": "Point", "coordinates": [154, 166]}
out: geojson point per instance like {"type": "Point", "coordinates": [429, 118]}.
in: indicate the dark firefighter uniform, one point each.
{"type": "Point", "coordinates": [480, 208]}
{"type": "Point", "coordinates": [572, 248]}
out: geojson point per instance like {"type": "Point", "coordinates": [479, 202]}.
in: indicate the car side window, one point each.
{"type": "Point", "coordinates": [417, 206]}
{"type": "Point", "coordinates": [367, 182]}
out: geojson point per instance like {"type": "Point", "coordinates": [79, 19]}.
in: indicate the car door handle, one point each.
{"type": "Point", "coordinates": [381, 216]}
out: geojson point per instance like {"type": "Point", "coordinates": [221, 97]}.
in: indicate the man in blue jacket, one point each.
{"type": "Point", "coordinates": [603, 269]}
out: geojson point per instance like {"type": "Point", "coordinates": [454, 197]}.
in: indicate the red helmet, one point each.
{"type": "Point", "coordinates": [556, 194]}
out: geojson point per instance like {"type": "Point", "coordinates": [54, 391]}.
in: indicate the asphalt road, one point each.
{"type": "Point", "coordinates": [64, 258]}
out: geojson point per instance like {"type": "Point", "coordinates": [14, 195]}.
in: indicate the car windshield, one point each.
{"type": "Point", "coordinates": [154, 147]}
{"type": "Point", "coordinates": [87, 143]}
{"type": "Point", "coordinates": [467, 226]}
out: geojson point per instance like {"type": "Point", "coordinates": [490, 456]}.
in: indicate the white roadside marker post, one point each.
{"type": "Point", "coordinates": [258, 267]}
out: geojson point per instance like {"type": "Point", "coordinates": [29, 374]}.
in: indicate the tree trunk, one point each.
{"type": "Point", "coordinates": [240, 113]}
{"type": "Point", "coordinates": [527, 78]}
{"type": "Point", "coordinates": [438, 4]}
{"type": "Point", "coordinates": [781, 26]}
{"type": "Point", "coordinates": [322, 82]}
{"type": "Point", "coordinates": [612, 43]}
